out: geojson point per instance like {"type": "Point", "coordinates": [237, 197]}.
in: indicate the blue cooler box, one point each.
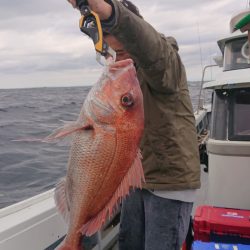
{"type": "Point", "coordinates": [198, 245]}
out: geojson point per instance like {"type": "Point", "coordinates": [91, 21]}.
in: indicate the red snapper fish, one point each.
{"type": "Point", "coordinates": [104, 161]}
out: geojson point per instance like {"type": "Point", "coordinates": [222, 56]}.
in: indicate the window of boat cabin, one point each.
{"type": "Point", "coordinates": [237, 54]}
{"type": "Point", "coordinates": [239, 118]}
{"type": "Point", "coordinates": [220, 105]}
{"type": "Point", "coordinates": [231, 114]}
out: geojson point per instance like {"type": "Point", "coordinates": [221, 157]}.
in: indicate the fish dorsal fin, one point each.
{"type": "Point", "coordinates": [133, 178]}
{"type": "Point", "coordinates": [61, 200]}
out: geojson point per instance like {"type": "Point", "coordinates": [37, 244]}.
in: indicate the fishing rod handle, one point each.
{"type": "Point", "coordinates": [81, 3]}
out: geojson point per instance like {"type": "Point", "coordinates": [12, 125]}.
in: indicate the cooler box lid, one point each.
{"type": "Point", "coordinates": [210, 219]}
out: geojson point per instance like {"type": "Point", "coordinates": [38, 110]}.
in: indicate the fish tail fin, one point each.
{"type": "Point", "coordinates": [61, 201]}
{"type": "Point", "coordinates": [133, 178]}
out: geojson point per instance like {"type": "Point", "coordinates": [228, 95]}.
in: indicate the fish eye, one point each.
{"type": "Point", "coordinates": [127, 100]}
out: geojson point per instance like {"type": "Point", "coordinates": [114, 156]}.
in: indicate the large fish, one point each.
{"type": "Point", "coordinates": [104, 159]}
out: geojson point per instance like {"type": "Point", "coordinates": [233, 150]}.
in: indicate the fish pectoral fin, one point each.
{"type": "Point", "coordinates": [66, 130]}
{"type": "Point", "coordinates": [61, 200]}
{"type": "Point", "coordinates": [133, 178]}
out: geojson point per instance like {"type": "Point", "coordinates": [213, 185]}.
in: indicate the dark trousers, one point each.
{"type": "Point", "coordinates": [149, 222]}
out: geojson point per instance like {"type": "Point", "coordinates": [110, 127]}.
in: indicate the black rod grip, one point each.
{"type": "Point", "coordinates": [81, 3]}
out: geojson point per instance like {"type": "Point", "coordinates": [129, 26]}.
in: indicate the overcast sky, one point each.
{"type": "Point", "coordinates": [41, 45]}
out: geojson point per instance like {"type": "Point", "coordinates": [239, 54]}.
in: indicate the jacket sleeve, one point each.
{"type": "Point", "coordinates": [155, 54]}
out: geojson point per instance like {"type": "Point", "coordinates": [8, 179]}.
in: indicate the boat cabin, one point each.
{"type": "Point", "coordinates": [228, 146]}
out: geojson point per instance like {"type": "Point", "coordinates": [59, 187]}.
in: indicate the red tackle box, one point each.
{"type": "Point", "coordinates": [222, 225]}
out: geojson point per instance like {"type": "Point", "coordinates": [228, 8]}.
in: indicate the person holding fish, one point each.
{"type": "Point", "coordinates": [156, 216]}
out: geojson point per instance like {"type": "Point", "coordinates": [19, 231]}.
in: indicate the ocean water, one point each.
{"type": "Point", "coordinates": [30, 168]}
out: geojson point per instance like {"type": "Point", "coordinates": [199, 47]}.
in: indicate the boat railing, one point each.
{"type": "Point", "coordinates": [200, 103]}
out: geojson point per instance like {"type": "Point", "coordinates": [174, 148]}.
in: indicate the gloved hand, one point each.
{"type": "Point", "coordinates": [102, 8]}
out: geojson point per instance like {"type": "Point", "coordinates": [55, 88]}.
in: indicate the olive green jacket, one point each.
{"type": "Point", "coordinates": [169, 144]}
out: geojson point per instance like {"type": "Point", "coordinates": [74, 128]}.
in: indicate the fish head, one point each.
{"type": "Point", "coordinates": [117, 98]}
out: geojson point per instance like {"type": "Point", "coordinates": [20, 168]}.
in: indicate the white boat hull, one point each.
{"type": "Point", "coordinates": [229, 174]}
{"type": "Point", "coordinates": [33, 224]}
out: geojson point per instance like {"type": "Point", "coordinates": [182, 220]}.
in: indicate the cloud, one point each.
{"type": "Point", "coordinates": [28, 8]}
{"type": "Point", "coordinates": [40, 42]}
